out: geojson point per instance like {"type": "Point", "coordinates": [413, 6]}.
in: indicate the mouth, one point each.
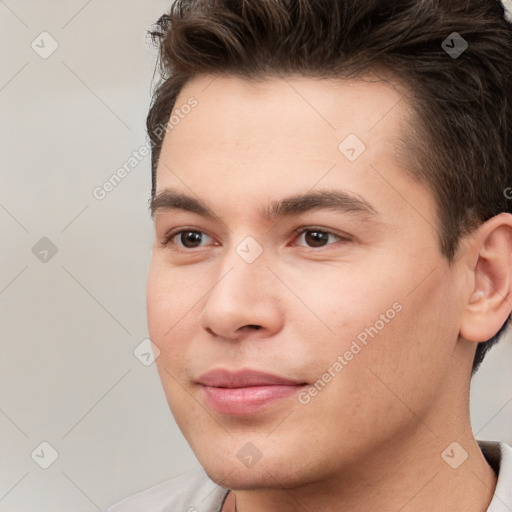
{"type": "Point", "coordinates": [245, 391]}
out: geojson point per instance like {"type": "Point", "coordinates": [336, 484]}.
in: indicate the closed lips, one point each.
{"type": "Point", "coordinates": [223, 378]}
{"type": "Point", "coordinates": [245, 392]}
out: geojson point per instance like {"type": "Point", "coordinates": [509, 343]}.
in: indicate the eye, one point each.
{"type": "Point", "coordinates": [316, 237]}
{"type": "Point", "coordinates": [186, 238]}
{"type": "Point", "coordinates": [194, 238]}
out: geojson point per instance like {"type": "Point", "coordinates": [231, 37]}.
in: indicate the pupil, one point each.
{"type": "Point", "coordinates": [315, 238]}
{"type": "Point", "coordinates": [192, 236]}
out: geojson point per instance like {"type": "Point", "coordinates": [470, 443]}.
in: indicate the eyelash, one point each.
{"type": "Point", "coordinates": [167, 240]}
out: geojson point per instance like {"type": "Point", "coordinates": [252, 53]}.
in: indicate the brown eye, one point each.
{"type": "Point", "coordinates": [186, 238]}
{"type": "Point", "coordinates": [191, 239]}
{"type": "Point", "coordinates": [317, 238]}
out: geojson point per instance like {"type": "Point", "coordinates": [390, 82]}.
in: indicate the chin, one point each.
{"type": "Point", "coordinates": [245, 479]}
{"type": "Point", "coordinates": [236, 481]}
{"type": "Point", "coordinates": [265, 474]}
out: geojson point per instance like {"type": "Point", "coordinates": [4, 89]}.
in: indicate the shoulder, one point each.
{"type": "Point", "coordinates": [499, 456]}
{"type": "Point", "coordinates": [192, 491]}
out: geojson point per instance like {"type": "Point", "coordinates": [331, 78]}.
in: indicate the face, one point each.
{"type": "Point", "coordinates": [346, 294]}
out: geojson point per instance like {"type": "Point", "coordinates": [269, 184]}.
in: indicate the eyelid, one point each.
{"type": "Point", "coordinates": [341, 235]}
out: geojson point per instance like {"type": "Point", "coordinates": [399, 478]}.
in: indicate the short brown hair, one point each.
{"type": "Point", "coordinates": [460, 143]}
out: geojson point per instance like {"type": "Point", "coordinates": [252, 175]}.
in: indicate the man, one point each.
{"type": "Point", "coordinates": [332, 253]}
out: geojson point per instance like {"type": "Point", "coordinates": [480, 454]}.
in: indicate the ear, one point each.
{"type": "Point", "coordinates": [489, 260]}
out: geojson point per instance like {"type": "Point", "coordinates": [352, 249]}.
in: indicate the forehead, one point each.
{"type": "Point", "coordinates": [264, 118]}
{"type": "Point", "coordinates": [255, 138]}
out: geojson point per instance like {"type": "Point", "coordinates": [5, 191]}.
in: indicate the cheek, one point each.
{"type": "Point", "coordinates": [170, 299]}
{"type": "Point", "coordinates": [345, 299]}
{"type": "Point", "coordinates": [167, 304]}
{"type": "Point", "coordinates": [379, 321]}
{"type": "Point", "coordinates": [410, 357]}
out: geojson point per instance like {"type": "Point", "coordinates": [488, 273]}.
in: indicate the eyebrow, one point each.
{"type": "Point", "coordinates": [336, 200]}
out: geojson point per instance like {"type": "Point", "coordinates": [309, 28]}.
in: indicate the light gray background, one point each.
{"type": "Point", "coordinates": [68, 375]}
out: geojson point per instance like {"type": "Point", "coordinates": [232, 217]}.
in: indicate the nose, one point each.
{"type": "Point", "coordinates": [243, 299]}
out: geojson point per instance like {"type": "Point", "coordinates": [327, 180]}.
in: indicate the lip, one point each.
{"type": "Point", "coordinates": [244, 391]}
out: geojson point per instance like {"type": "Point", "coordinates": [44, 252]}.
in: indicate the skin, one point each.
{"type": "Point", "coordinates": [373, 437]}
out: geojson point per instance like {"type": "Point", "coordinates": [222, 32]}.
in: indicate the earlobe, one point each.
{"type": "Point", "coordinates": [489, 302]}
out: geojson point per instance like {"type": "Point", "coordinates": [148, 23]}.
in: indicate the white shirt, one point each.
{"type": "Point", "coordinates": [193, 491]}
